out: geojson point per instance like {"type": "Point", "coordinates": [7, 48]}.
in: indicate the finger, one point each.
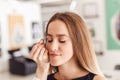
{"type": "Point", "coordinates": [41, 41]}
{"type": "Point", "coordinates": [33, 50]}
{"type": "Point", "coordinates": [35, 47]}
{"type": "Point", "coordinates": [40, 56]}
{"type": "Point", "coordinates": [45, 56]}
{"type": "Point", "coordinates": [37, 52]}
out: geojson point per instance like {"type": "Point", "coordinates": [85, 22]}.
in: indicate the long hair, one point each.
{"type": "Point", "coordinates": [82, 44]}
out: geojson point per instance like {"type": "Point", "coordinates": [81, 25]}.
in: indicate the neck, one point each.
{"type": "Point", "coordinates": [68, 71]}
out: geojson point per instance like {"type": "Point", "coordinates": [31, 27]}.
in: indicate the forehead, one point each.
{"type": "Point", "coordinates": [57, 27]}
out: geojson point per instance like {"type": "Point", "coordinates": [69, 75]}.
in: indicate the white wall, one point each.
{"type": "Point", "coordinates": [47, 12]}
{"type": "Point", "coordinates": [30, 11]}
{"type": "Point", "coordinates": [109, 59]}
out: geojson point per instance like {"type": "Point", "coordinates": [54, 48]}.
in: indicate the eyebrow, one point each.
{"type": "Point", "coordinates": [58, 35]}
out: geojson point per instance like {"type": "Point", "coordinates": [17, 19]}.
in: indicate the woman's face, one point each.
{"type": "Point", "coordinates": [59, 43]}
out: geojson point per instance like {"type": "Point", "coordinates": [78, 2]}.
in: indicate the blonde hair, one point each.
{"type": "Point", "coordinates": [82, 44]}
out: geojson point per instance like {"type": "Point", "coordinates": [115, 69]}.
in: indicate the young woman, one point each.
{"type": "Point", "coordinates": [68, 53]}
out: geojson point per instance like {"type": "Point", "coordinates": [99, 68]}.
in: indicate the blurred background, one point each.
{"type": "Point", "coordinates": [23, 23]}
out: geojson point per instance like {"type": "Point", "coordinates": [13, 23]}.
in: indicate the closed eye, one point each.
{"type": "Point", "coordinates": [49, 41]}
{"type": "Point", "coordinates": [62, 41]}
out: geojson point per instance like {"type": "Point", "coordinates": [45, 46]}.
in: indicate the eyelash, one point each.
{"type": "Point", "coordinates": [62, 41]}
{"type": "Point", "coordinates": [50, 41]}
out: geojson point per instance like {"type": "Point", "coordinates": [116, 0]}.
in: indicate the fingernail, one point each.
{"type": "Point", "coordinates": [41, 41]}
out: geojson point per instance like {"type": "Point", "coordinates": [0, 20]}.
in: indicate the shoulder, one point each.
{"type": "Point", "coordinates": [99, 77]}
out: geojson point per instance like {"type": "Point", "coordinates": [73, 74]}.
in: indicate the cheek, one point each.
{"type": "Point", "coordinates": [67, 54]}
{"type": "Point", "coordinates": [47, 46]}
{"type": "Point", "coordinates": [67, 50]}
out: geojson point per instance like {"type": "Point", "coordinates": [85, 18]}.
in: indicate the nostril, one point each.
{"type": "Point", "coordinates": [53, 50]}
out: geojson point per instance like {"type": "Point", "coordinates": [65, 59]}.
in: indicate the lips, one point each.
{"type": "Point", "coordinates": [53, 55]}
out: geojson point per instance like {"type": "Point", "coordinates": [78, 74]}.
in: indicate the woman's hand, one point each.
{"type": "Point", "coordinates": [40, 55]}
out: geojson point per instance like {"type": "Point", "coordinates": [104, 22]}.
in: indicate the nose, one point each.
{"type": "Point", "coordinates": [54, 45]}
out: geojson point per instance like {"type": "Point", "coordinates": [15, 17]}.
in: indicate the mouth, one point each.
{"type": "Point", "coordinates": [53, 55]}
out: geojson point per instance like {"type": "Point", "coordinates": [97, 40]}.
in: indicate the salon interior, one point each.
{"type": "Point", "coordinates": [23, 23]}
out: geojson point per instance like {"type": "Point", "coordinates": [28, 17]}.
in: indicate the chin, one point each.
{"type": "Point", "coordinates": [55, 63]}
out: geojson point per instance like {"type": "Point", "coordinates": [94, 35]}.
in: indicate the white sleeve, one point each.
{"type": "Point", "coordinates": [35, 78]}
